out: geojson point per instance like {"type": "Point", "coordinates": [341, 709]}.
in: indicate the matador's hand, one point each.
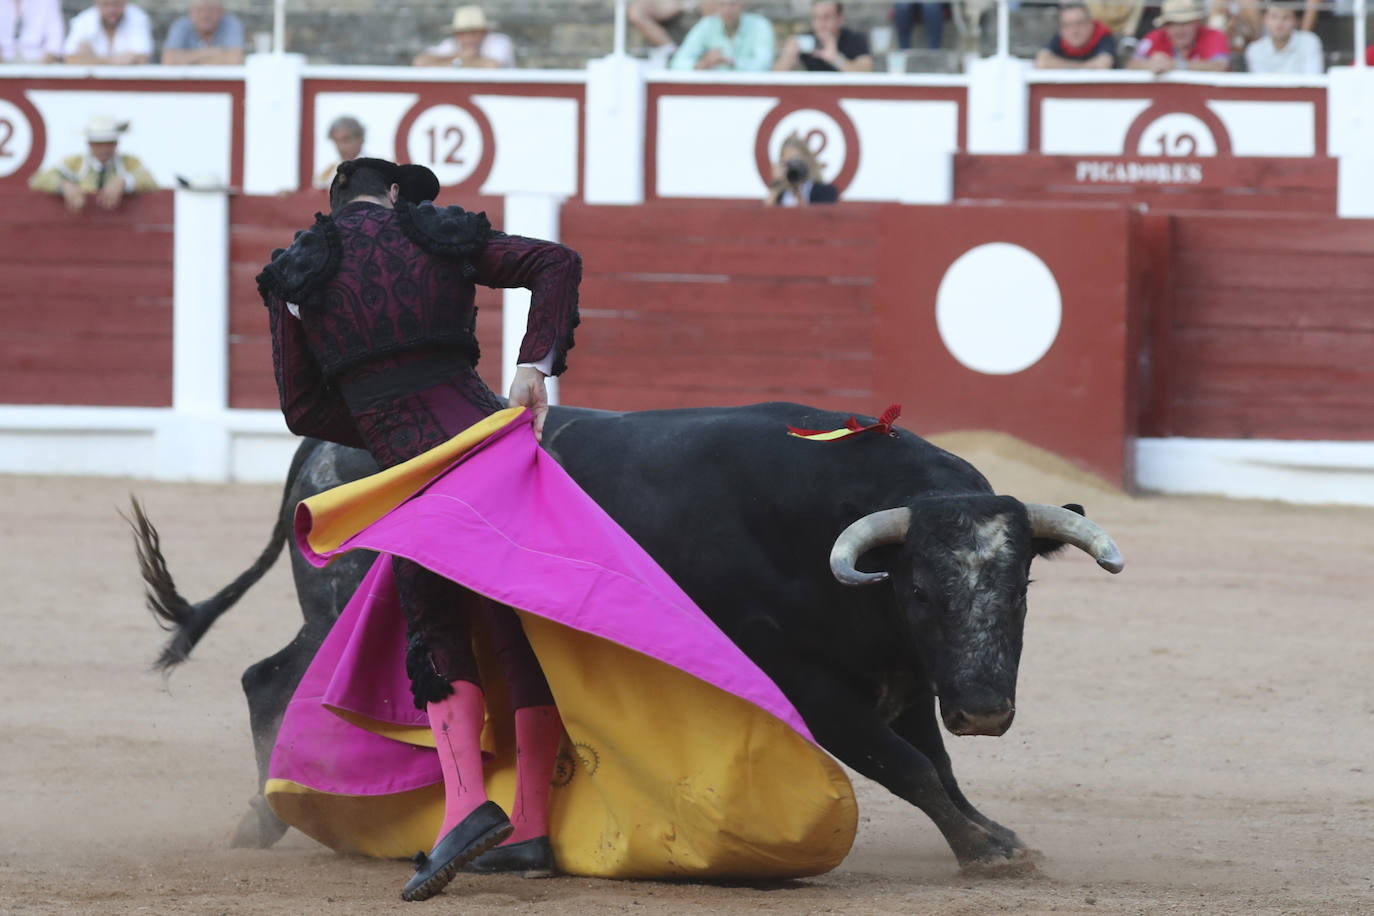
{"type": "Point", "coordinates": [528, 390]}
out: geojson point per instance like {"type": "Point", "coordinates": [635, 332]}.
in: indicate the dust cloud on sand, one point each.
{"type": "Point", "coordinates": [1194, 735]}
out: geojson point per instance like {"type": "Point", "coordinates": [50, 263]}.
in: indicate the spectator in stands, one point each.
{"type": "Point", "coordinates": [1283, 49]}
{"type": "Point", "coordinates": [472, 44]}
{"type": "Point", "coordinates": [1181, 42]}
{"type": "Point", "coordinates": [30, 31]}
{"type": "Point", "coordinates": [102, 171]}
{"type": "Point", "coordinates": [730, 40]}
{"type": "Point", "coordinates": [110, 32]}
{"type": "Point", "coordinates": [797, 177]}
{"type": "Point", "coordinates": [347, 134]}
{"type": "Point", "coordinates": [653, 18]}
{"type": "Point", "coordinates": [1081, 43]}
{"type": "Point", "coordinates": [932, 23]}
{"type": "Point", "coordinates": [205, 35]}
{"type": "Point", "coordinates": [829, 45]}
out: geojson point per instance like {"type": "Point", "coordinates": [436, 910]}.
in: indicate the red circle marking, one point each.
{"type": "Point", "coordinates": [473, 183]}
{"type": "Point", "coordinates": [1196, 108]}
{"type": "Point", "coordinates": [39, 144]}
{"type": "Point", "coordinates": [764, 160]}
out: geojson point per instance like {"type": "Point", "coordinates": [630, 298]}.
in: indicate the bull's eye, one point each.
{"type": "Point", "coordinates": [919, 595]}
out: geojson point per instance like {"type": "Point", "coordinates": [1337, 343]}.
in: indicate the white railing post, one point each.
{"type": "Point", "coordinates": [193, 444]}
{"type": "Point", "coordinates": [998, 105]}
{"type": "Point", "coordinates": [536, 216]}
{"type": "Point", "coordinates": [1003, 28]}
{"type": "Point", "coordinates": [279, 27]}
{"type": "Point", "coordinates": [1361, 8]}
{"type": "Point", "coordinates": [1350, 127]}
{"type": "Point", "coordinates": [271, 122]}
{"type": "Point", "coordinates": [621, 12]}
{"type": "Point", "coordinates": [615, 112]}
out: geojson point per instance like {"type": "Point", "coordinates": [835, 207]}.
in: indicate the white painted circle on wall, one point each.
{"type": "Point", "coordinates": [448, 140]}
{"type": "Point", "coordinates": [16, 138]}
{"type": "Point", "coordinates": [998, 309]}
{"type": "Point", "coordinates": [821, 132]}
{"type": "Point", "coordinates": [1177, 134]}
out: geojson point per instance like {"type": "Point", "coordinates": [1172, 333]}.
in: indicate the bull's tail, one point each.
{"type": "Point", "coordinates": [189, 622]}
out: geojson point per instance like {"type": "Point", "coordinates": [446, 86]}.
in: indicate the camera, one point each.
{"type": "Point", "coordinates": [797, 172]}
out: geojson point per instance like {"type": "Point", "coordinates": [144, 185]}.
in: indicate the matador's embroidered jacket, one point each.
{"type": "Point", "coordinates": [373, 285]}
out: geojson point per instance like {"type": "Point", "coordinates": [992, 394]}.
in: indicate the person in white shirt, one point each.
{"type": "Point", "coordinates": [472, 44]}
{"type": "Point", "coordinates": [1283, 49]}
{"type": "Point", "coordinates": [30, 31]}
{"type": "Point", "coordinates": [111, 32]}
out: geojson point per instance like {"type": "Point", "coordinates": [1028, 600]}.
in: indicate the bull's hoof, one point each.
{"type": "Point", "coordinates": [994, 851]}
{"type": "Point", "coordinates": [1003, 835]}
{"type": "Point", "coordinates": [1018, 863]}
{"type": "Point", "coordinates": [259, 828]}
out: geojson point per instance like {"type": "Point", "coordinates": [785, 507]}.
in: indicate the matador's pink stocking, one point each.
{"type": "Point", "coordinates": [457, 721]}
{"type": "Point", "coordinates": [538, 730]}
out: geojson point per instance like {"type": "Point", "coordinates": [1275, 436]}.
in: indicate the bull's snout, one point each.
{"type": "Point", "coordinates": [994, 722]}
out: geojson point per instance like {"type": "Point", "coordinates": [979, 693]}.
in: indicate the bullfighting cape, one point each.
{"type": "Point", "coordinates": [681, 758]}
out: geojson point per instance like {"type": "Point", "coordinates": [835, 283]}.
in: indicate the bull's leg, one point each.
{"type": "Point", "coordinates": [268, 685]}
{"type": "Point", "coordinates": [845, 724]}
{"type": "Point", "coordinates": [920, 727]}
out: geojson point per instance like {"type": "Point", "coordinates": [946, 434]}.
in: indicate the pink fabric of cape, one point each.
{"type": "Point", "coordinates": [507, 521]}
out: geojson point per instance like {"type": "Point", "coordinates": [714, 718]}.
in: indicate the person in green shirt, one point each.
{"type": "Point", "coordinates": [730, 40]}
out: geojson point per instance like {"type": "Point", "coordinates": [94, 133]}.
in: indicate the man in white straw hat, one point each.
{"type": "Point", "coordinates": [101, 171]}
{"type": "Point", "coordinates": [1180, 41]}
{"type": "Point", "coordinates": [472, 44]}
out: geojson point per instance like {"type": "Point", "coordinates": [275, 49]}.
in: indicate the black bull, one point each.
{"type": "Point", "coordinates": [872, 579]}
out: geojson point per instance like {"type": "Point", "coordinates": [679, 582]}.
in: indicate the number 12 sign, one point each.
{"type": "Point", "coordinates": [448, 140]}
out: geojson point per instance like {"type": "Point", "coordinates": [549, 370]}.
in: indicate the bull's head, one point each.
{"type": "Point", "coordinates": [960, 577]}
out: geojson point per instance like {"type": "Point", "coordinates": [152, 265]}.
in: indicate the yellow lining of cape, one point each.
{"type": "Point", "coordinates": [418, 735]}
{"type": "Point", "coordinates": [338, 514]}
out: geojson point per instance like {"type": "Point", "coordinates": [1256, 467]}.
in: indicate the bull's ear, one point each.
{"type": "Point", "coordinates": [1048, 547]}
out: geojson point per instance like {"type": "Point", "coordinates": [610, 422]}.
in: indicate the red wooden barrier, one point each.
{"type": "Point", "coordinates": [1265, 328]}
{"type": "Point", "coordinates": [258, 225]}
{"type": "Point", "coordinates": [1253, 325]}
{"type": "Point", "coordinates": [1214, 183]}
{"type": "Point", "coordinates": [692, 304]}
{"type": "Point", "coordinates": [85, 302]}
{"type": "Point", "coordinates": [1078, 399]}
{"type": "Point", "coordinates": [696, 304]}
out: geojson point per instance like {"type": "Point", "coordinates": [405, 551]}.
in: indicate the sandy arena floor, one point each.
{"type": "Point", "coordinates": [1195, 735]}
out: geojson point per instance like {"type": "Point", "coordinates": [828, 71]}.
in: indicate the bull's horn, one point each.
{"type": "Point", "coordinates": [888, 526]}
{"type": "Point", "coordinates": [1071, 528]}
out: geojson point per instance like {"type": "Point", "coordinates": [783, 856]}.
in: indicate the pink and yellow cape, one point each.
{"type": "Point", "coordinates": [681, 760]}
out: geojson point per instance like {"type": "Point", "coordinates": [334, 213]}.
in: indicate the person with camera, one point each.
{"type": "Point", "coordinates": [828, 46]}
{"type": "Point", "coordinates": [797, 177]}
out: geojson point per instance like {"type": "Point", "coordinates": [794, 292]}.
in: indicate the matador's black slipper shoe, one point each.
{"type": "Point", "coordinates": [531, 858]}
{"type": "Point", "coordinates": [484, 828]}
